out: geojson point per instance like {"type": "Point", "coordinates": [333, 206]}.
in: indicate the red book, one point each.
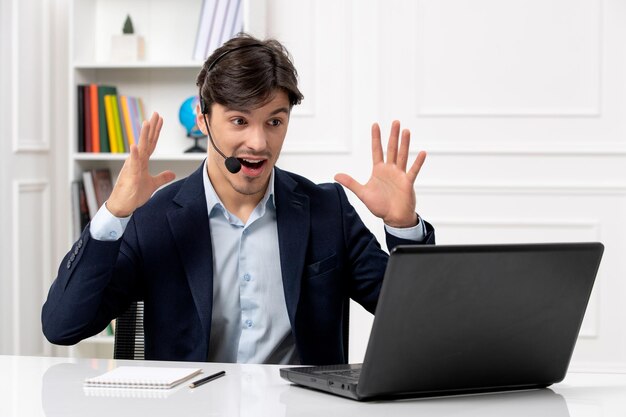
{"type": "Point", "coordinates": [95, 125]}
{"type": "Point", "coordinates": [88, 131]}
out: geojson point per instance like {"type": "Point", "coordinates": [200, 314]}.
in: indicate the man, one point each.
{"type": "Point", "coordinates": [240, 261]}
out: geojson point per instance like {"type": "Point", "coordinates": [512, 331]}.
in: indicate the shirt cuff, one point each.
{"type": "Point", "coordinates": [416, 233]}
{"type": "Point", "coordinates": [106, 227]}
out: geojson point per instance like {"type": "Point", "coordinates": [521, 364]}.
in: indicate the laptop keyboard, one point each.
{"type": "Point", "coordinates": [352, 374]}
{"type": "Point", "coordinates": [348, 372]}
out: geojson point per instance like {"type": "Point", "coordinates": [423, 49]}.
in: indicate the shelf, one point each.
{"type": "Point", "coordinates": [84, 156]}
{"type": "Point", "coordinates": [195, 65]}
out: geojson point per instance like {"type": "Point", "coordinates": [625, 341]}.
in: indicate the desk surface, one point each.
{"type": "Point", "coordinates": [34, 386]}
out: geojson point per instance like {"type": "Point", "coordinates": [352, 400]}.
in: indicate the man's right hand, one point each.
{"type": "Point", "coordinates": [135, 185]}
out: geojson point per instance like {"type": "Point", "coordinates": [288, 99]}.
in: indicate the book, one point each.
{"type": "Point", "coordinates": [232, 21]}
{"type": "Point", "coordinates": [126, 119]}
{"type": "Point", "coordinates": [105, 143]}
{"type": "Point", "coordinates": [134, 118]}
{"type": "Point", "coordinates": [87, 115]}
{"type": "Point", "coordinates": [204, 28]}
{"type": "Point", "coordinates": [90, 194]}
{"type": "Point", "coordinates": [108, 110]}
{"type": "Point", "coordinates": [95, 123]}
{"type": "Point", "coordinates": [102, 184]}
{"type": "Point", "coordinates": [80, 102]}
{"type": "Point", "coordinates": [122, 127]}
{"type": "Point", "coordinates": [215, 34]}
{"type": "Point", "coordinates": [142, 377]}
{"type": "Point", "coordinates": [117, 125]}
{"type": "Point", "coordinates": [80, 211]}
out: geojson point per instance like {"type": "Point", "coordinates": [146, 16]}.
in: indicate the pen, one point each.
{"type": "Point", "coordinates": [207, 379]}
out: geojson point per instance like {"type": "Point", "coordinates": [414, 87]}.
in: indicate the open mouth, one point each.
{"type": "Point", "coordinates": [252, 164]}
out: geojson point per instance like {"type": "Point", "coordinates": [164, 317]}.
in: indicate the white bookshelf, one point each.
{"type": "Point", "coordinates": [163, 79]}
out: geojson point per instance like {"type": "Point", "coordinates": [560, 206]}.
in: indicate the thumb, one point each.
{"type": "Point", "coordinates": [163, 178]}
{"type": "Point", "coordinates": [350, 183]}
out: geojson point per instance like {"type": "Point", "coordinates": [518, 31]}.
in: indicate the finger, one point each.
{"type": "Point", "coordinates": [163, 178]}
{"type": "Point", "coordinates": [133, 162]}
{"type": "Point", "coordinates": [392, 144]}
{"type": "Point", "coordinates": [417, 166]}
{"type": "Point", "coordinates": [143, 136]}
{"type": "Point", "coordinates": [154, 125]}
{"type": "Point", "coordinates": [350, 183]}
{"type": "Point", "coordinates": [155, 133]}
{"type": "Point", "coordinates": [377, 148]}
{"type": "Point", "coordinates": [403, 155]}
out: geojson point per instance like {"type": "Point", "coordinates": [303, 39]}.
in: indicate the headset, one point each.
{"type": "Point", "coordinates": [232, 164]}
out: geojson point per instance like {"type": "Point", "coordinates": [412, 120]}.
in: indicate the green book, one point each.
{"type": "Point", "coordinates": [104, 90]}
{"type": "Point", "coordinates": [117, 125]}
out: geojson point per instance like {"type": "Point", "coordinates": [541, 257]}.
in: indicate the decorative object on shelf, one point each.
{"type": "Point", "coordinates": [187, 116]}
{"type": "Point", "coordinates": [128, 46]}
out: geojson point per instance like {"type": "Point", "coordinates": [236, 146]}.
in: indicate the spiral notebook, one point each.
{"type": "Point", "coordinates": [142, 377]}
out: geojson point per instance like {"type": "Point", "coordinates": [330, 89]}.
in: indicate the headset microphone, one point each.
{"type": "Point", "coordinates": [232, 164]}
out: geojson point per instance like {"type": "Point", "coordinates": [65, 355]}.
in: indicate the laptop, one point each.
{"type": "Point", "coordinates": [466, 319]}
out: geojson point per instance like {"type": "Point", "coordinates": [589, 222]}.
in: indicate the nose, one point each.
{"type": "Point", "coordinates": [256, 138]}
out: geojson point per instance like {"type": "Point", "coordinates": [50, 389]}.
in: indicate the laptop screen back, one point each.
{"type": "Point", "coordinates": [467, 318]}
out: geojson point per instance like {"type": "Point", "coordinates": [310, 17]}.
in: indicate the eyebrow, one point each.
{"type": "Point", "coordinates": [247, 111]}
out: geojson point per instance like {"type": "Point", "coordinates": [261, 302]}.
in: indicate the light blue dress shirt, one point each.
{"type": "Point", "coordinates": [249, 321]}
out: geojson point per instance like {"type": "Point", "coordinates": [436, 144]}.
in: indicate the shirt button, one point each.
{"type": "Point", "coordinates": [113, 235]}
{"type": "Point", "coordinates": [247, 277]}
{"type": "Point", "coordinates": [249, 323]}
{"type": "Point", "coordinates": [245, 231]}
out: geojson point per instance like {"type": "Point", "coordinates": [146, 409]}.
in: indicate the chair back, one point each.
{"type": "Point", "coordinates": [129, 335]}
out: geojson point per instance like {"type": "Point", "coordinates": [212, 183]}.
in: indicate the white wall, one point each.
{"type": "Point", "coordinates": [518, 103]}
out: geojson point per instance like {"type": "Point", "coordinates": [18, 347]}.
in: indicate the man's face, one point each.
{"type": "Point", "coordinates": [255, 137]}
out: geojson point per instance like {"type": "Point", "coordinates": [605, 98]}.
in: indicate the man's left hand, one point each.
{"type": "Point", "coordinates": [389, 193]}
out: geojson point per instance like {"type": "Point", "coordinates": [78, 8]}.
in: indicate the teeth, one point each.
{"type": "Point", "coordinates": [252, 162]}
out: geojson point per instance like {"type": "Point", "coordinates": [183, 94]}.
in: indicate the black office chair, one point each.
{"type": "Point", "coordinates": [129, 335]}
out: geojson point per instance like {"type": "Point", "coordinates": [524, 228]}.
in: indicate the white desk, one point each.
{"type": "Point", "coordinates": [34, 386]}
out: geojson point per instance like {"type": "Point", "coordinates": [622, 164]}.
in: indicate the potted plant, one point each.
{"type": "Point", "coordinates": [128, 46]}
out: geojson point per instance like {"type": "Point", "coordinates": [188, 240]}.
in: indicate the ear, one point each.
{"type": "Point", "coordinates": [200, 119]}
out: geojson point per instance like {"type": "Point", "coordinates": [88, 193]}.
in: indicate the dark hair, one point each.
{"type": "Point", "coordinates": [245, 73]}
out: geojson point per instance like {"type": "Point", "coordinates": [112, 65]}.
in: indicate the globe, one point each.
{"type": "Point", "coordinates": [187, 116]}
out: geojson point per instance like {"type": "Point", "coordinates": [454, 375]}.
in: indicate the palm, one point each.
{"type": "Point", "coordinates": [389, 192]}
{"type": "Point", "coordinates": [135, 185]}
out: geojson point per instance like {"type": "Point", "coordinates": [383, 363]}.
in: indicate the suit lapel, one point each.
{"type": "Point", "coordinates": [293, 222]}
{"type": "Point", "coordinates": [190, 227]}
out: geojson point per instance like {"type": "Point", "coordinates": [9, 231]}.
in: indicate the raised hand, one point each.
{"type": "Point", "coordinates": [389, 193]}
{"type": "Point", "coordinates": [135, 185]}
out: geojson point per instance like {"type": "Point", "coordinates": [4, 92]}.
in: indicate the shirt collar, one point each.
{"type": "Point", "coordinates": [213, 200]}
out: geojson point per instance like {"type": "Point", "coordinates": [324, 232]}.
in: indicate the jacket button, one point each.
{"type": "Point", "coordinates": [69, 264]}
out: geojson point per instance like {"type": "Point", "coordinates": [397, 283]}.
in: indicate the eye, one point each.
{"type": "Point", "coordinates": [275, 122]}
{"type": "Point", "coordinates": [238, 121]}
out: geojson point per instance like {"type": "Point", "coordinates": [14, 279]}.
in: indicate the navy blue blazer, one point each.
{"type": "Point", "coordinates": [165, 259]}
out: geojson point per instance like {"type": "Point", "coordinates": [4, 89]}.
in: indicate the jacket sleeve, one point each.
{"type": "Point", "coordinates": [429, 238]}
{"type": "Point", "coordinates": [96, 282]}
{"type": "Point", "coordinates": [367, 261]}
